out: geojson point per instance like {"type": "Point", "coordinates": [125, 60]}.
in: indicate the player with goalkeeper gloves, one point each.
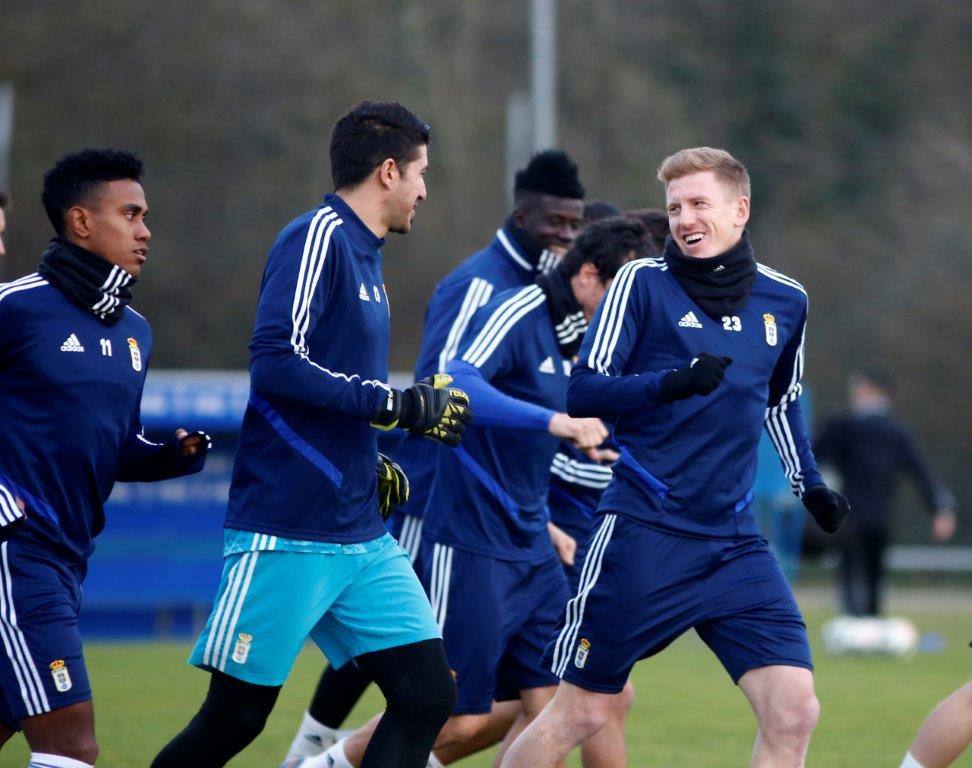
{"type": "Point", "coordinates": [306, 550]}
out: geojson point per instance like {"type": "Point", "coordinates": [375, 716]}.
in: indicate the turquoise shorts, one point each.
{"type": "Point", "coordinates": [351, 600]}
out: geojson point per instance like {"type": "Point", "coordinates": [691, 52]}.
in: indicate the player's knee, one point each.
{"type": "Point", "coordinates": [239, 706]}
{"type": "Point", "coordinates": [464, 728]}
{"type": "Point", "coordinates": [592, 713]}
{"type": "Point", "coordinates": [791, 717]}
{"type": "Point", "coordinates": [428, 706]}
{"type": "Point", "coordinates": [624, 701]}
{"type": "Point", "coordinates": [82, 747]}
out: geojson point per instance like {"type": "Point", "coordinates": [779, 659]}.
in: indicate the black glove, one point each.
{"type": "Point", "coordinates": [393, 490]}
{"type": "Point", "coordinates": [828, 507]}
{"type": "Point", "coordinates": [700, 377]}
{"type": "Point", "coordinates": [429, 407]}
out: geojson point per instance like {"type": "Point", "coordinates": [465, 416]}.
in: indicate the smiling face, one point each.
{"type": "Point", "coordinates": [706, 216]}
{"type": "Point", "coordinates": [112, 224]}
{"type": "Point", "coordinates": [553, 222]}
{"type": "Point", "coordinates": [408, 191]}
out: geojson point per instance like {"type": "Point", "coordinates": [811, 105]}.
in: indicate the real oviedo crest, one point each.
{"type": "Point", "coordinates": [136, 354]}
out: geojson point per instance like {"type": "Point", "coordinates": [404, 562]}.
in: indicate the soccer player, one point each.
{"type": "Point", "coordinates": [73, 359]}
{"type": "Point", "coordinates": [306, 551]}
{"type": "Point", "coordinates": [547, 213]}
{"type": "Point", "coordinates": [870, 449]}
{"type": "Point", "coordinates": [945, 734]}
{"type": "Point", "coordinates": [689, 355]}
{"type": "Point", "coordinates": [495, 582]}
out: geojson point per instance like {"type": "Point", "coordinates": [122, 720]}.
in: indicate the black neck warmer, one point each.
{"type": "Point", "coordinates": [87, 279]}
{"type": "Point", "coordinates": [566, 313]}
{"type": "Point", "coordinates": [541, 260]}
{"type": "Point", "coordinates": [719, 285]}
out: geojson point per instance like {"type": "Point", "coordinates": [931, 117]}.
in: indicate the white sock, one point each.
{"type": "Point", "coordinates": [910, 762]}
{"type": "Point", "coordinates": [333, 758]}
{"type": "Point", "coordinates": [312, 738]}
{"type": "Point", "coordinates": [40, 760]}
{"type": "Point", "coordinates": [434, 762]}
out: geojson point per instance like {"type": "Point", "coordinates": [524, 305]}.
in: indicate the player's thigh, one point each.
{"type": "Point", "coordinates": [42, 666]}
{"type": "Point", "coordinates": [754, 619]}
{"type": "Point", "coordinates": [69, 731]}
{"type": "Point", "coordinates": [467, 598]}
{"type": "Point", "coordinates": [383, 606]}
{"type": "Point", "coordinates": [541, 598]}
{"type": "Point", "coordinates": [266, 606]}
{"type": "Point", "coordinates": [637, 593]}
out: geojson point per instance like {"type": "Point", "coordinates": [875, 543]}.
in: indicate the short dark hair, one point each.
{"type": "Point", "coordinates": [76, 176]}
{"type": "Point", "coordinates": [599, 209]}
{"type": "Point", "coordinates": [369, 133]}
{"type": "Point", "coordinates": [656, 225]}
{"type": "Point", "coordinates": [550, 172]}
{"type": "Point", "coordinates": [605, 244]}
{"type": "Point", "coordinates": [4, 200]}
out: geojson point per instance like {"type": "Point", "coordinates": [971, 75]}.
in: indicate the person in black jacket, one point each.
{"type": "Point", "coordinates": [870, 450]}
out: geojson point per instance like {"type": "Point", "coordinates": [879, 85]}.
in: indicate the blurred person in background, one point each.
{"type": "Point", "coordinates": [656, 224]}
{"type": "Point", "coordinates": [945, 734]}
{"type": "Point", "coordinates": [547, 213]}
{"type": "Point", "coordinates": [870, 450]}
{"type": "Point", "coordinates": [73, 361]}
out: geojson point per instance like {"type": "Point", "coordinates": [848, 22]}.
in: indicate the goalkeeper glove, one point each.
{"type": "Point", "coordinates": [429, 407]}
{"type": "Point", "coordinates": [828, 507]}
{"type": "Point", "coordinates": [700, 377]}
{"type": "Point", "coordinates": [393, 490]}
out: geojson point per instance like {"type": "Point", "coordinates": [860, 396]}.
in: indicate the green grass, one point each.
{"type": "Point", "coordinates": [687, 712]}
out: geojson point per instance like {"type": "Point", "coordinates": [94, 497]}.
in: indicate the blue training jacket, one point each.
{"type": "Point", "coordinates": [499, 266]}
{"type": "Point", "coordinates": [689, 466]}
{"type": "Point", "coordinates": [489, 495]}
{"type": "Point", "coordinates": [70, 394]}
{"type": "Point", "coordinates": [305, 468]}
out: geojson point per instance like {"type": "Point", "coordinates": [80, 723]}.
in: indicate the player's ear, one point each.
{"type": "Point", "coordinates": [742, 210]}
{"type": "Point", "coordinates": [77, 223]}
{"type": "Point", "coordinates": [388, 172]}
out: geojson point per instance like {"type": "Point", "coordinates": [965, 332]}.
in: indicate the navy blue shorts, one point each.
{"type": "Point", "coordinates": [41, 663]}
{"type": "Point", "coordinates": [496, 617]}
{"type": "Point", "coordinates": [407, 530]}
{"type": "Point", "coordinates": [642, 588]}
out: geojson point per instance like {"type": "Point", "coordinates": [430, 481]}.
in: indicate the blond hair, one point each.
{"type": "Point", "coordinates": [727, 169]}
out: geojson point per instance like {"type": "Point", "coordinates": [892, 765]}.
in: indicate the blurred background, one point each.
{"type": "Point", "coordinates": [854, 119]}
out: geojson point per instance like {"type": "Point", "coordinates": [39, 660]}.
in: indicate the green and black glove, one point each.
{"type": "Point", "coordinates": [429, 407]}
{"type": "Point", "coordinates": [393, 487]}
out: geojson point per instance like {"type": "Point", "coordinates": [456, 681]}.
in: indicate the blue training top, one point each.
{"type": "Point", "coordinates": [689, 466]}
{"type": "Point", "coordinates": [305, 468]}
{"type": "Point", "coordinates": [489, 495]}
{"type": "Point", "coordinates": [499, 266]}
{"type": "Point", "coordinates": [70, 394]}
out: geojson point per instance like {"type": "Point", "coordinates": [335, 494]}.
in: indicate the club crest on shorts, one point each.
{"type": "Point", "coordinates": [770, 323]}
{"type": "Point", "coordinates": [242, 648]}
{"type": "Point", "coordinates": [136, 354]}
{"type": "Point", "coordinates": [62, 678]}
{"type": "Point", "coordinates": [583, 648]}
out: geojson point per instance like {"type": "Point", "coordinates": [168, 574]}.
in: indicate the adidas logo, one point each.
{"type": "Point", "coordinates": [547, 366]}
{"type": "Point", "coordinates": [72, 344]}
{"type": "Point", "coordinates": [363, 293]}
{"type": "Point", "coordinates": [689, 320]}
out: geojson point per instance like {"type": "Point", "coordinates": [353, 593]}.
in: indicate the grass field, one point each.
{"type": "Point", "coordinates": [687, 713]}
